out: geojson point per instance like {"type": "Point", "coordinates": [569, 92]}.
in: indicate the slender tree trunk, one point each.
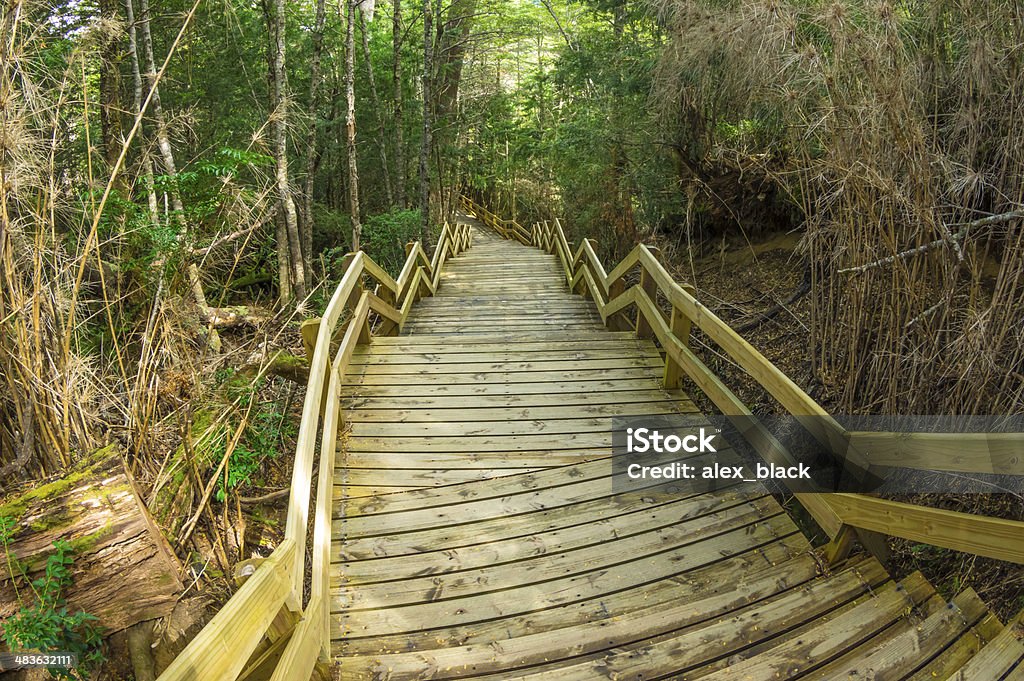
{"type": "Point", "coordinates": [284, 273]}
{"type": "Point", "coordinates": [110, 89]}
{"type": "Point", "coordinates": [378, 111]}
{"type": "Point", "coordinates": [428, 45]}
{"type": "Point", "coordinates": [163, 140]}
{"type": "Point", "coordinates": [291, 243]}
{"type": "Point", "coordinates": [350, 125]}
{"type": "Point", "coordinates": [133, 58]}
{"type": "Point", "coordinates": [397, 82]}
{"type": "Point", "coordinates": [315, 78]}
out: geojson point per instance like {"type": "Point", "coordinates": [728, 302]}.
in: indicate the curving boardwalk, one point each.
{"type": "Point", "coordinates": [476, 533]}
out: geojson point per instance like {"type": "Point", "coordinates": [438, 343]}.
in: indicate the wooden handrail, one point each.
{"type": "Point", "coordinates": [222, 649]}
{"type": "Point", "coordinates": [972, 453]}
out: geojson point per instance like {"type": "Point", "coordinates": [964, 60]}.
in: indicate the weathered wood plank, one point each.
{"type": "Point", "coordinates": [123, 570]}
{"type": "Point", "coordinates": [778, 588]}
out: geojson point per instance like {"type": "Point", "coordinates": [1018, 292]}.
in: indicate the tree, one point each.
{"type": "Point", "coordinates": [289, 246]}
{"type": "Point", "coordinates": [110, 86]}
{"type": "Point", "coordinates": [315, 78]}
{"type": "Point", "coordinates": [350, 125]}
{"type": "Point", "coordinates": [163, 140]}
{"type": "Point", "coordinates": [378, 111]}
{"type": "Point", "coordinates": [428, 50]}
{"type": "Point", "coordinates": [396, 55]}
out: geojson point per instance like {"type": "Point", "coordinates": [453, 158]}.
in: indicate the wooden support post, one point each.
{"type": "Point", "coordinates": [839, 548]}
{"type": "Point", "coordinates": [650, 286]}
{"type": "Point", "coordinates": [618, 321]}
{"type": "Point", "coordinates": [286, 618]}
{"type": "Point", "coordinates": [876, 543]}
{"type": "Point", "coordinates": [310, 329]}
{"type": "Point", "coordinates": [680, 325]}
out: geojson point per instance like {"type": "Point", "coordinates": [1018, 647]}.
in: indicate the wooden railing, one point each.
{"type": "Point", "coordinates": [264, 630]}
{"type": "Point", "coordinates": [839, 514]}
{"type": "Point", "coordinates": [509, 229]}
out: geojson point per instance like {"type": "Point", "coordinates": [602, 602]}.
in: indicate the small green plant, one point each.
{"type": "Point", "coordinates": [47, 625]}
{"type": "Point", "coordinates": [267, 430]}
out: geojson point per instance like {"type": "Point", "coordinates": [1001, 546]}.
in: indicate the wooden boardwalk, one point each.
{"type": "Point", "coordinates": [476, 532]}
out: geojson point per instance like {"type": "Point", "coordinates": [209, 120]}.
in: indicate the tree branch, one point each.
{"type": "Point", "coordinates": [983, 222]}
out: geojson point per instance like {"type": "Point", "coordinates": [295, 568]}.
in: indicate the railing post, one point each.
{"type": "Point", "coordinates": [618, 321]}
{"type": "Point", "coordinates": [680, 325]}
{"type": "Point", "coordinates": [650, 287]}
{"type": "Point", "coordinates": [310, 329]}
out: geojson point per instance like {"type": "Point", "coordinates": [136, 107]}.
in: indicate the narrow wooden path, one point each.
{"type": "Point", "coordinates": [476, 532]}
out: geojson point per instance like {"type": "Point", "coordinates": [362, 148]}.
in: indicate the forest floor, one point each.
{"type": "Point", "coordinates": [745, 281]}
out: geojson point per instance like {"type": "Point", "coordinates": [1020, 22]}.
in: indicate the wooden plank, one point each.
{"type": "Point", "coordinates": [498, 317]}
{"type": "Point", "coordinates": [498, 378]}
{"type": "Point", "coordinates": [507, 339]}
{"type": "Point", "coordinates": [961, 651]}
{"type": "Point", "coordinates": [980, 535]}
{"type": "Point", "coordinates": [544, 458]}
{"type": "Point", "coordinates": [909, 646]}
{"type": "Point", "coordinates": [500, 388]}
{"type": "Point", "coordinates": [479, 414]}
{"type": "Point", "coordinates": [1002, 658]}
{"type": "Point", "coordinates": [427, 347]}
{"type": "Point", "coordinates": [479, 444]}
{"type": "Point", "coordinates": [534, 597]}
{"type": "Point", "coordinates": [504, 497]}
{"type": "Point", "coordinates": [413, 478]}
{"type": "Point", "coordinates": [816, 646]}
{"type": "Point", "coordinates": [582, 524]}
{"type": "Point", "coordinates": [999, 453]}
{"type": "Point", "coordinates": [777, 588]}
{"type": "Point", "coordinates": [478, 429]}
{"type": "Point", "coordinates": [665, 585]}
{"type": "Point", "coordinates": [520, 566]}
{"type": "Point", "coordinates": [456, 357]}
{"type": "Point", "coordinates": [494, 365]}
{"type": "Point", "coordinates": [604, 399]}
{"type": "Point", "coordinates": [303, 649]}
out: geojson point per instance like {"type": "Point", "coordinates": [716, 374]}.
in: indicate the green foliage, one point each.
{"type": "Point", "coordinates": [331, 229]}
{"type": "Point", "coordinates": [266, 432]}
{"type": "Point", "coordinates": [47, 624]}
{"type": "Point", "coordinates": [386, 235]}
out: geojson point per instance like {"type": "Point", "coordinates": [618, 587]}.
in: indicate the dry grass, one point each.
{"type": "Point", "coordinates": [891, 125]}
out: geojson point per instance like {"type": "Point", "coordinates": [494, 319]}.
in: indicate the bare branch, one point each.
{"type": "Point", "coordinates": [955, 238]}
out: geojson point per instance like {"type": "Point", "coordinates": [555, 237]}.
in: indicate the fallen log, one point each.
{"type": "Point", "coordinates": [123, 571]}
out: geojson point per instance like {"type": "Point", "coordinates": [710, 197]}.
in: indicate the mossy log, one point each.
{"type": "Point", "coordinates": [123, 570]}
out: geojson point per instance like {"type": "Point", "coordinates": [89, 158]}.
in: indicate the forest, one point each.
{"type": "Point", "coordinates": [183, 183]}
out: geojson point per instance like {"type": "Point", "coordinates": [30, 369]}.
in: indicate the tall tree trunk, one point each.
{"type": "Point", "coordinates": [428, 50]}
{"type": "Point", "coordinates": [350, 125]}
{"type": "Point", "coordinates": [133, 58]}
{"type": "Point", "coordinates": [451, 54]}
{"type": "Point", "coordinates": [378, 110]}
{"type": "Point", "coordinates": [315, 78]}
{"type": "Point", "coordinates": [292, 245]}
{"type": "Point", "coordinates": [110, 89]}
{"type": "Point", "coordinates": [163, 140]}
{"type": "Point", "coordinates": [397, 82]}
